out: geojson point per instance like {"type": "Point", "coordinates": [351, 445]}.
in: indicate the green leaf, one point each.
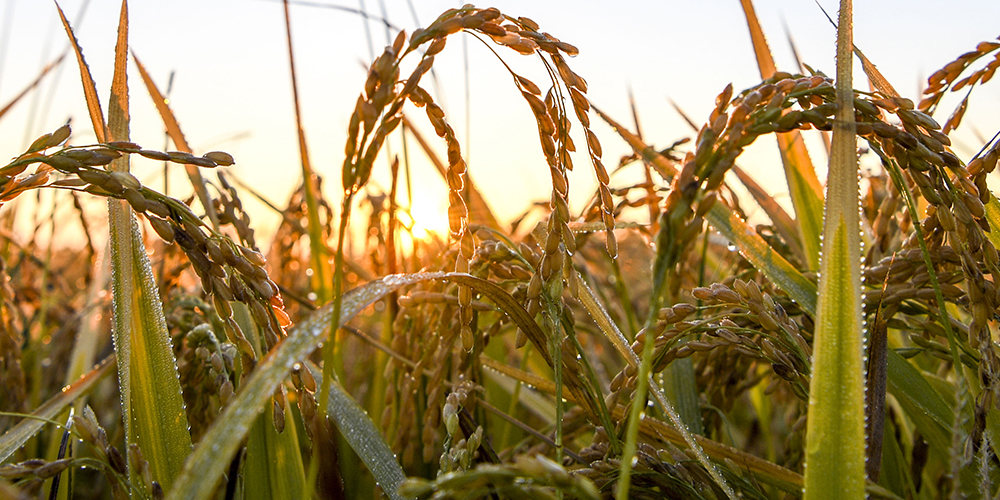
{"type": "Point", "coordinates": [360, 432]}
{"type": "Point", "coordinates": [153, 408]}
{"type": "Point", "coordinates": [835, 432]}
{"type": "Point", "coordinates": [89, 88]}
{"type": "Point", "coordinates": [273, 468]}
{"type": "Point", "coordinates": [924, 405]}
{"type": "Point", "coordinates": [318, 251]}
{"type": "Point", "coordinates": [895, 467]}
{"type": "Point", "coordinates": [769, 262]}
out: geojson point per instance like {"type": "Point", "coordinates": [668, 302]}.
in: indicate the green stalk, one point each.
{"type": "Point", "coordinates": [515, 398]}
{"type": "Point", "coordinates": [556, 346]}
{"type": "Point", "coordinates": [333, 357]}
{"type": "Point", "coordinates": [603, 415]}
{"type": "Point", "coordinates": [317, 245]}
{"type": "Point", "coordinates": [835, 433]}
{"type": "Point", "coordinates": [638, 408]}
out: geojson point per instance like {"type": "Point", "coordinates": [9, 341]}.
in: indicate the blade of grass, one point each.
{"type": "Point", "coordinates": [835, 432]}
{"type": "Point", "coordinates": [174, 131]}
{"type": "Point", "coordinates": [366, 440]}
{"type": "Point", "coordinates": [924, 405]}
{"type": "Point", "coordinates": [89, 88]}
{"type": "Point", "coordinates": [20, 433]}
{"type": "Point", "coordinates": [319, 254]}
{"type": "Point", "coordinates": [151, 393]}
{"type": "Point", "coordinates": [273, 468]}
{"type": "Point", "coordinates": [803, 185]}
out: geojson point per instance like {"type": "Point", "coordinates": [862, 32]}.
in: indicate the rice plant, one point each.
{"type": "Point", "coordinates": [622, 351]}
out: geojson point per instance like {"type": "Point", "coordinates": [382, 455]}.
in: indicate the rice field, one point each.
{"type": "Point", "coordinates": [686, 335]}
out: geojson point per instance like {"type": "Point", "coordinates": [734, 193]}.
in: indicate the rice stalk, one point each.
{"type": "Point", "coordinates": [152, 406]}
{"type": "Point", "coordinates": [317, 241]}
{"type": "Point", "coordinates": [835, 431]}
{"type": "Point", "coordinates": [447, 350]}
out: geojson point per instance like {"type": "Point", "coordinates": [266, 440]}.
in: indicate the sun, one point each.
{"type": "Point", "coordinates": [418, 231]}
{"type": "Point", "coordinates": [427, 219]}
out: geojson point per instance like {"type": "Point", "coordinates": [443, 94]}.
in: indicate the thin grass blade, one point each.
{"type": "Point", "coordinates": [319, 253]}
{"type": "Point", "coordinates": [89, 88]}
{"type": "Point", "coordinates": [930, 413]}
{"type": "Point", "coordinates": [153, 407]}
{"type": "Point", "coordinates": [835, 432]}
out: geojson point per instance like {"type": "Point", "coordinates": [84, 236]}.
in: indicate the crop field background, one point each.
{"type": "Point", "coordinates": [538, 250]}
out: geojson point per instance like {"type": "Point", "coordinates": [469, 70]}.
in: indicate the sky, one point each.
{"type": "Point", "coordinates": [232, 90]}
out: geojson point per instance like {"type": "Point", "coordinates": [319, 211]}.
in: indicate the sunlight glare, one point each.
{"type": "Point", "coordinates": [425, 218]}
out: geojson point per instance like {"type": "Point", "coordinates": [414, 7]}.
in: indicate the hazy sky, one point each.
{"type": "Point", "coordinates": [231, 88]}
